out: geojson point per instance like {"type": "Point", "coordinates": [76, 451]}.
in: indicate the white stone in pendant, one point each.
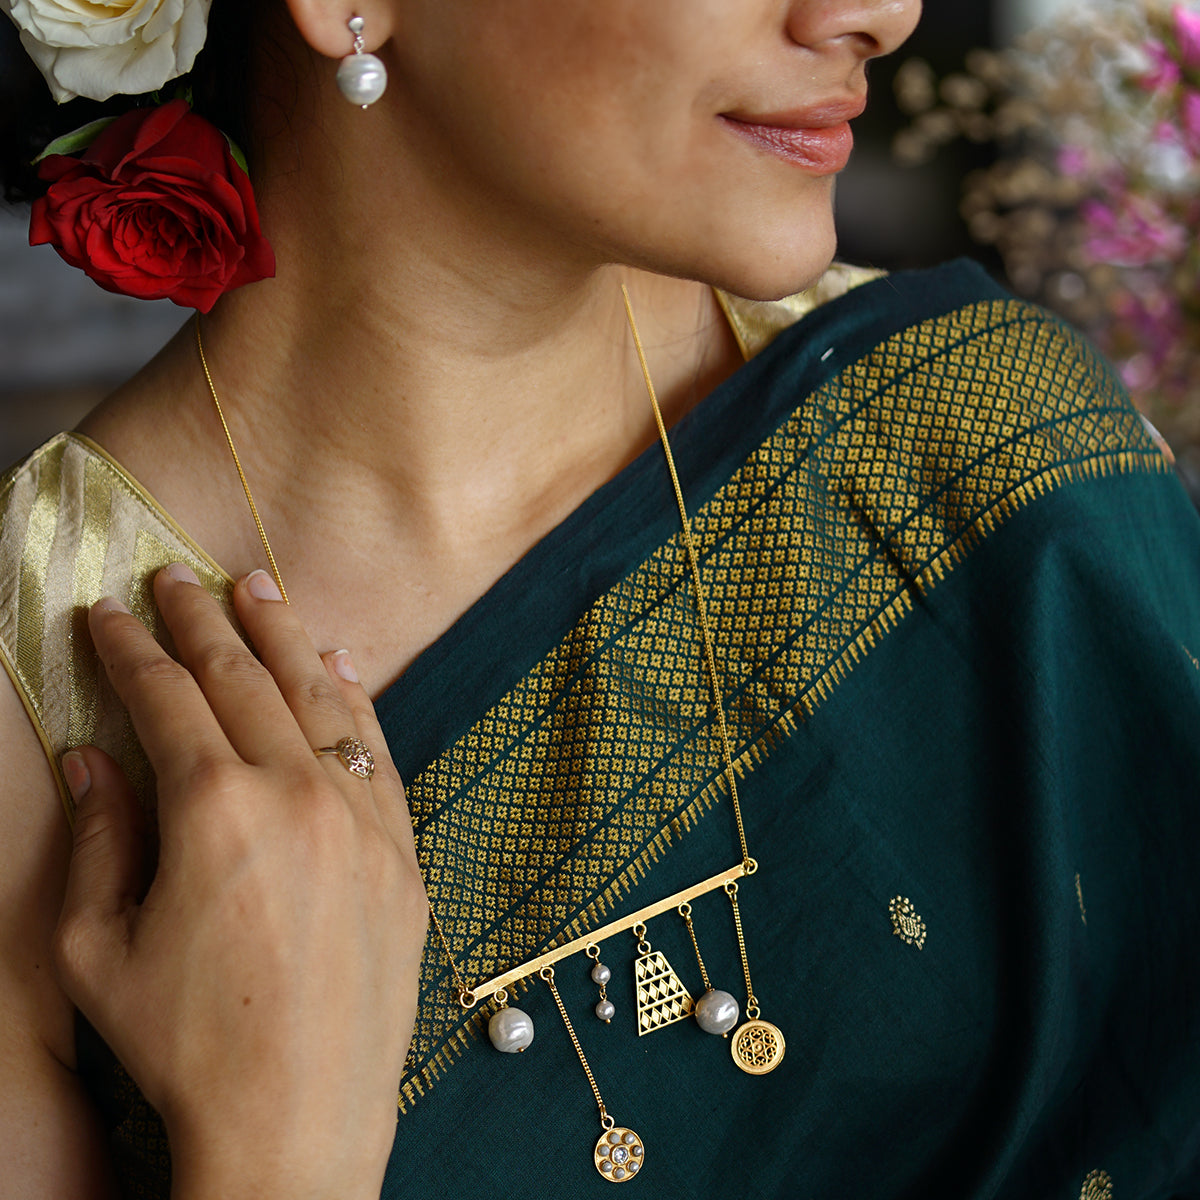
{"type": "Point", "coordinates": [716, 1012]}
{"type": "Point", "coordinates": [601, 974]}
{"type": "Point", "coordinates": [619, 1155]}
{"type": "Point", "coordinates": [361, 78]}
{"type": "Point", "coordinates": [606, 1010]}
{"type": "Point", "coordinates": [510, 1030]}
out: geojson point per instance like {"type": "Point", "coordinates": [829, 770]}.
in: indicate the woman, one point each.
{"type": "Point", "coordinates": [943, 763]}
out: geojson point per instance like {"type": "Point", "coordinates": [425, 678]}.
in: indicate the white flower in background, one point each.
{"type": "Point", "coordinates": [103, 48]}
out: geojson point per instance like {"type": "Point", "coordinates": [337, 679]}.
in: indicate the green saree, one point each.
{"type": "Point", "coordinates": [955, 599]}
{"type": "Point", "coordinates": [955, 596]}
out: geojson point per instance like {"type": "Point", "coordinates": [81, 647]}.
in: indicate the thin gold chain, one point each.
{"type": "Point", "coordinates": [262, 533]}
{"type": "Point", "coordinates": [547, 973]}
{"type": "Point", "coordinates": [460, 983]}
{"type": "Point", "coordinates": [731, 890]}
{"type": "Point", "coordinates": [685, 911]}
{"type": "Point", "coordinates": [237, 462]}
{"type": "Point", "coordinates": [714, 682]}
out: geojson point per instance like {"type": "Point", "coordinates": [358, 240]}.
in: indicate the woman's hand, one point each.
{"type": "Point", "coordinates": [262, 991]}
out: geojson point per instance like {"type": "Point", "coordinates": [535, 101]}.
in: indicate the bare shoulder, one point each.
{"type": "Point", "coordinates": [50, 1140]}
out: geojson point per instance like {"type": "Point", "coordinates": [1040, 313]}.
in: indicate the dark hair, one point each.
{"type": "Point", "coordinates": [219, 83]}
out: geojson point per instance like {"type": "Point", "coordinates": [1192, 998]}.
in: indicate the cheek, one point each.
{"type": "Point", "coordinates": [559, 80]}
{"type": "Point", "coordinates": [600, 120]}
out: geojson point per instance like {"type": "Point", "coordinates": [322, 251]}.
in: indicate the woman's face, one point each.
{"type": "Point", "coordinates": [692, 137]}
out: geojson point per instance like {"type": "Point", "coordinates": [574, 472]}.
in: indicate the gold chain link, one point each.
{"type": "Point", "coordinates": [465, 996]}
{"type": "Point", "coordinates": [547, 973]}
{"type": "Point", "coordinates": [731, 890]}
{"type": "Point", "coordinates": [237, 462]}
{"type": "Point", "coordinates": [709, 658]}
{"type": "Point", "coordinates": [685, 911]}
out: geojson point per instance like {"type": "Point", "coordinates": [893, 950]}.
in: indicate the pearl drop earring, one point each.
{"type": "Point", "coordinates": [361, 78]}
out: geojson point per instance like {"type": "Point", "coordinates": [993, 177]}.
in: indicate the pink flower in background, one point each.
{"type": "Point", "coordinates": [1073, 161]}
{"type": "Point", "coordinates": [1109, 235]}
{"type": "Point", "coordinates": [1187, 31]}
{"type": "Point", "coordinates": [1131, 231]}
{"type": "Point", "coordinates": [1189, 111]}
{"type": "Point", "coordinates": [1163, 73]}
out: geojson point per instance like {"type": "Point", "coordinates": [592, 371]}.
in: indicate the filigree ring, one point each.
{"type": "Point", "coordinates": [353, 755]}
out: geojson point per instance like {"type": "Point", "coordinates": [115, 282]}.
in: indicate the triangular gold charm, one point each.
{"type": "Point", "coordinates": [661, 998]}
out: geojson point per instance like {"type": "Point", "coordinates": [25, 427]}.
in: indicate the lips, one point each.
{"type": "Point", "coordinates": [817, 139]}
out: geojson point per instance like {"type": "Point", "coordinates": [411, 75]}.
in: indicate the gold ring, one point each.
{"type": "Point", "coordinates": [353, 755]}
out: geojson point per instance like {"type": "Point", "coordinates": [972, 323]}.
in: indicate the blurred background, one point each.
{"type": "Point", "coordinates": [948, 113]}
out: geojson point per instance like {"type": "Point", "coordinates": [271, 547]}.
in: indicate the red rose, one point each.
{"type": "Point", "coordinates": [156, 207]}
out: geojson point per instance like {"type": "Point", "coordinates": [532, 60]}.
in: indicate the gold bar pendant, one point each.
{"type": "Point", "coordinates": [489, 987]}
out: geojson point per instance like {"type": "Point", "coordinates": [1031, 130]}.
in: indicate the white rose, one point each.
{"type": "Point", "coordinates": [103, 48]}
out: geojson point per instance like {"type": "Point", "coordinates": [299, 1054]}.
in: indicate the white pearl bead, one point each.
{"type": "Point", "coordinates": [510, 1030]}
{"type": "Point", "coordinates": [601, 973]}
{"type": "Point", "coordinates": [361, 78]}
{"type": "Point", "coordinates": [606, 1010]}
{"type": "Point", "coordinates": [716, 1012]}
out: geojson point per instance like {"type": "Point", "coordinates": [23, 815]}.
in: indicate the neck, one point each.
{"type": "Point", "coordinates": [460, 399]}
{"type": "Point", "coordinates": [449, 401]}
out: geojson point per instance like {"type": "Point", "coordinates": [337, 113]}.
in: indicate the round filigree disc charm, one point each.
{"type": "Point", "coordinates": [619, 1154]}
{"type": "Point", "coordinates": [757, 1047]}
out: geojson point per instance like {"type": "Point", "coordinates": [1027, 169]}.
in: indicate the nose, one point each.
{"type": "Point", "coordinates": [875, 27]}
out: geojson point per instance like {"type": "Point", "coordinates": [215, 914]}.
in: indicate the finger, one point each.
{"type": "Point", "coordinates": [317, 705]}
{"type": "Point", "coordinates": [172, 719]}
{"type": "Point", "coordinates": [252, 700]}
{"type": "Point", "coordinates": [388, 789]}
{"type": "Point", "coordinates": [106, 875]}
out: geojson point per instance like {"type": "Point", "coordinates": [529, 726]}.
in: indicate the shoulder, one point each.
{"type": "Point", "coordinates": [933, 346]}
{"type": "Point", "coordinates": [933, 406]}
{"type": "Point", "coordinates": [75, 527]}
{"type": "Point", "coordinates": [942, 371]}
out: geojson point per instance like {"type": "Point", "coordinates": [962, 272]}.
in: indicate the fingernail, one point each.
{"type": "Point", "coordinates": [344, 666]}
{"type": "Point", "coordinates": [77, 775]}
{"type": "Point", "coordinates": [110, 604]}
{"type": "Point", "coordinates": [183, 573]}
{"type": "Point", "coordinates": [261, 585]}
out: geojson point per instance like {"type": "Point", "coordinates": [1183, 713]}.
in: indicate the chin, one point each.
{"type": "Point", "coordinates": [768, 264]}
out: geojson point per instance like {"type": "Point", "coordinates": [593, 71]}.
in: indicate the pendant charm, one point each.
{"type": "Point", "coordinates": [509, 1029]}
{"type": "Point", "coordinates": [619, 1154]}
{"type": "Point", "coordinates": [661, 997]}
{"type": "Point", "coordinates": [757, 1047]}
{"type": "Point", "coordinates": [717, 1012]}
{"type": "Point", "coordinates": [601, 974]}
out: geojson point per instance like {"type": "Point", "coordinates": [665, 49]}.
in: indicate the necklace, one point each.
{"type": "Point", "coordinates": [757, 1046]}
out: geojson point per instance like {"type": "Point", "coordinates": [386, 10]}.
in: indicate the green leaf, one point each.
{"type": "Point", "coordinates": [77, 139]}
{"type": "Point", "coordinates": [236, 151]}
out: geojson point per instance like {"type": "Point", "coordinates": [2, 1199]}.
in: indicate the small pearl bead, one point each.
{"type": "Point", "coordinates": [716, 1012]}
{"type": "Point", "coordinates": [510, 1030]}
{"type": "Point", "coordinates": [606, 1010]}
{"type": "Point", "coordinates": [361, 78]}
{"type": "Point", "coordinates": [600, 973]}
